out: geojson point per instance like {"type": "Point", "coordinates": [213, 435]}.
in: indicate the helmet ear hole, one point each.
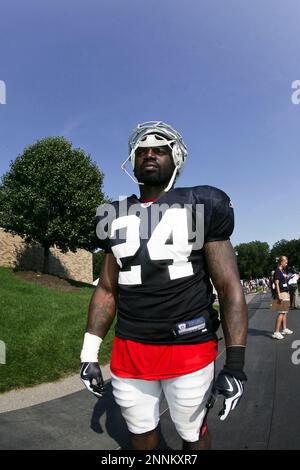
{"type": "Point", "coordinates": [177, 155]}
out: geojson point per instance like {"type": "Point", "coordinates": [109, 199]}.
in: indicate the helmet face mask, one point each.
{"type": "Point", "coordinates": [154, 140]}
{"type": "Point", "coordinates": [157, 133]}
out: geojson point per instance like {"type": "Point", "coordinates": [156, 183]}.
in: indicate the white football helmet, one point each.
{"type": "Point", "coordinates": [157, 134]}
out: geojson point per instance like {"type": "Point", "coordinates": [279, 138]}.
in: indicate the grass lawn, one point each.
{"type": "Point", "coordinates": [43, 330]}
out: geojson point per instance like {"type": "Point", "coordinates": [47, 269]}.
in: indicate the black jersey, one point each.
{"type": "Point", "coordinates": [164, 291]}
{"type": "Point", "coordinates": [282, 277]}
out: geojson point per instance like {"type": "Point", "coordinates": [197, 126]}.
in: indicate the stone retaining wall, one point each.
{"type": "Point", "coordinates": [14, 252]}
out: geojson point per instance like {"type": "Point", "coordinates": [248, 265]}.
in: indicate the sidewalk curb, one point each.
{"type": "Point", "coordinates": [23, 398]}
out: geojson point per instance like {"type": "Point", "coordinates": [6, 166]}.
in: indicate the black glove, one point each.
{"type": "Point", "coordinates": [229, 382]}
{"type": "Point", "coordinates": [91, 371]}
{"type": "Point", "coordinates": [231, 388]}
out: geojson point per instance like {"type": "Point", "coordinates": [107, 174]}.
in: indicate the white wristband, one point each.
{"type": "Point", "coordinates": [90, 348]}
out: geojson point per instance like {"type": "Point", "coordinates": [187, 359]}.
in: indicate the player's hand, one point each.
{"type": "Point", "coordinates": [231, 388]}
{"type": "Point", "coordinates": [89, 372]}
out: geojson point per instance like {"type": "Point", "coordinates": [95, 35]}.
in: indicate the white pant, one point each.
{"type": "Point", "coordinates": [186, 396]}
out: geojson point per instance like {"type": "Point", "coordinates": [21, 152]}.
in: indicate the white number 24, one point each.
{"type": "Point", "coordinates": [173, 222]}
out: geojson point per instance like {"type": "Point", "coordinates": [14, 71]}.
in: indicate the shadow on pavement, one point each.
{"type": "Point", "coordinates": [115, 425]}
{"type": "Point", "coordinates": [254, 332]}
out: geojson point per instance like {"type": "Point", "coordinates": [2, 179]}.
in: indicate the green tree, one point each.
{"type": "Point", "coordinates": [253, 259]}
{"type": "Point", "coordinates": [289, 248]}
{"type": "Point", "coordinates": [50, 195]}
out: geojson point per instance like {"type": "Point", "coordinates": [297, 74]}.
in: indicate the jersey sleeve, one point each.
{"type": "Point", "coordinates": [221, 223]}
{"type": "Point", "coordinates": [102, 227]}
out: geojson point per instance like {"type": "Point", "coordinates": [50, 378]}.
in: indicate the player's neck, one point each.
{"type": "Point", "coordinates": [151, 192]}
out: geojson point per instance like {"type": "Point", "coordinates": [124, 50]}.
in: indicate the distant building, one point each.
{"type": "Point", "coordinates": [14, 252]}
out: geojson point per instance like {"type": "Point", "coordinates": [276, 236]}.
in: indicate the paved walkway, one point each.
{"type": "Point", "coordinates": [267, 418]}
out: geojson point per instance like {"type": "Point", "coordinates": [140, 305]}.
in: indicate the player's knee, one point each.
{"type": "Point", "coordinates": [202, 443]}
{"type": "Point", "coordinates": [144, 435]}
{"type": "Point", "coordinates": [189, 426]}
{"type": "Point", "coordinates": [145, 426]}
{"type": "Point", "coordinates": [188, 434]}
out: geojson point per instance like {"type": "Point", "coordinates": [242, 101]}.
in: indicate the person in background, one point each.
{"type": "Point", "coordinates": [272, 285]}
{"type": "Point", "coordinates": [292, 283]}
{"type": "Point", "coordinates": [282, 294]}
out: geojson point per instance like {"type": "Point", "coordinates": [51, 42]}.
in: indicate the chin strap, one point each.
{"type": "Point", "coordinates": [171, 182]}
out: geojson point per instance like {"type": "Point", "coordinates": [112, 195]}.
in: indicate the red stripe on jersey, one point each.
{"type": "Point", "coordinates": [147, 200]}
{"type": "Point", "coordinates": [131, 359]}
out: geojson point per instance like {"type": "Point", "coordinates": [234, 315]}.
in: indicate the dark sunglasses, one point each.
{"type": "Point", "coordinates": [156, 150]}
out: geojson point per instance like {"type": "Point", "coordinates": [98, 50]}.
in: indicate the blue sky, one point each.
{"type": "Point", "coordinates": [219, 71]}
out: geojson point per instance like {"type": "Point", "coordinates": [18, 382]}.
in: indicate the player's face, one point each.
{"type": "Point", "coordinates": [153, 165]}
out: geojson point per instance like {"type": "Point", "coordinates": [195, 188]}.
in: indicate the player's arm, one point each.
{"type": "Point", "coordinates": [223, 270]}
{"type": "Point", "coordinates": [102, 308]}
{"type": "Point", "coordinates": [277, 287]}
{"type": "Point", "coordinates": [102, 311]}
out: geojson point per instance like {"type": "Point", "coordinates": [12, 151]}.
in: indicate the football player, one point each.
{"type": "Point", "coordinates": [161, 252]}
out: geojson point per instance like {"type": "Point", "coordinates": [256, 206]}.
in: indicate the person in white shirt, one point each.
{"type": "Point", "coordinates": [292, 283]}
